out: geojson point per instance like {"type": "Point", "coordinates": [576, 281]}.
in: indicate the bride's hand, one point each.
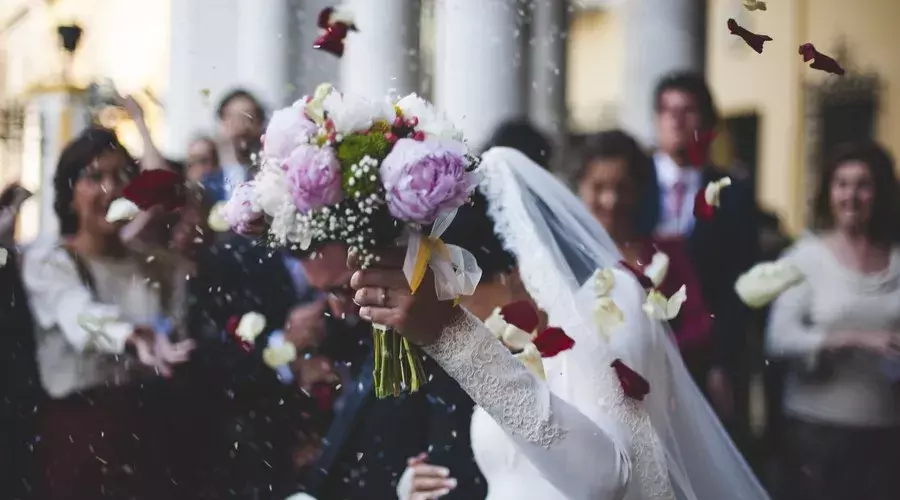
{"type": "Point", "coordinates": [421, 481]}
{"type": "Point", "coordinates": [384, 298]}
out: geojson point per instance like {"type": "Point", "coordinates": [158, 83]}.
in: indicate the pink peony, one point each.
{"type": "Point", "coordinates": [288, 128]}
{"type": "Point", "coordinates": [425, 178]}
{"type": "Point", "coordinates": [314, 178]}
{"type": "Point", "coordinates": [239, 211]}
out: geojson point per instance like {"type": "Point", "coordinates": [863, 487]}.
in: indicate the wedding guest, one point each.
{"type": "Point", "coordinates": [720, 249]}
{"type": "Point", "coordinates": [203, 159]}
{"type": "Point", "coordinates": [613, 176]}
{"type": "Point", "coordinates": [841, 327]}
{"type": "Point", "coordinates": [367, 445]}
{"type": "Point", "coordinates": [241, 120]}
{"type": "Point", "coordinates": [95, 311]}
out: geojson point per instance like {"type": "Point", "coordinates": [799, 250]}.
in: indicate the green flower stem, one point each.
{"type": "Point", "coordinates": [397, 364]}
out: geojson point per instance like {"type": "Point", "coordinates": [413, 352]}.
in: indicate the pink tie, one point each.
{"type": "Point", "coordinates": [679, 189]}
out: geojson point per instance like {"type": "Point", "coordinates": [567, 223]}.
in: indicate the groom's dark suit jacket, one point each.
{"type": "Point", "coordinates": [365, 450]}
{"type": "Point", "coordinates": [720, 250]}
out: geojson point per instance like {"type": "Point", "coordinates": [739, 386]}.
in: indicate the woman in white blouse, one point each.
{"type": "Point", "coordinates": [841, 327]}
{"type": "Point", "coordinates": [96, 311]}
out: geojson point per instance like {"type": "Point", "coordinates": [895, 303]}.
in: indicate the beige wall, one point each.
{"type": "Point", "coordinates": [594, 70]}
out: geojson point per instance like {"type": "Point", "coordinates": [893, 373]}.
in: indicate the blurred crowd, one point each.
{"type": "Point", "coordinates": [123, 381]}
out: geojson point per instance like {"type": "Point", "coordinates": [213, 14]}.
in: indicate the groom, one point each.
{"type": "Point", "coordinates": [366, 448]}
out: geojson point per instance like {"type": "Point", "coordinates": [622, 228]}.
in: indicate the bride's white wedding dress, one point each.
{"type": "Point", "coordinates": [576, 436]}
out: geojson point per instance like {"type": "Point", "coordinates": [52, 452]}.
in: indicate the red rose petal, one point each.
{"type": "Point", "coordinates": [232, 324]}
{"type": "Point", "coordinates": [331, 43]}
{"type": "Point", "coordinates": [642, 278]}
{"type": "Point", "coordinates": [752, 39]}
{"type": "Point", "coordinates": [820, 61]}
{"type": "Point", "coordinates": [156, 187]}
{"type": "Point", "coordinates": [633, 384]}
{"type": "Point", "coordinates": [552, 341]}
{"type": "Point", "coordinates": [703, 210]}
{"type": "Point", "coordinates": [522, 315]}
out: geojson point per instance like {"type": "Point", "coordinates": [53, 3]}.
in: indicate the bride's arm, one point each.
{"type": "Point", "coordinates": [582, 460]}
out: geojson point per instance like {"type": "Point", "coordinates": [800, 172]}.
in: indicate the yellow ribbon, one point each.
{"type": "Point", "coordinates": [428, 246]}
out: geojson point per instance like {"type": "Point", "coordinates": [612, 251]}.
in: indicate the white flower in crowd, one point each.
{"type": "Point", "coordinates": [351, 113]}
{"type": "Point", "coordinates": [216, 219]}
{"type": "Point", "coordinates": [122, 209]}
{"type": "Point", "coordinates": [607, 315]}
{"type": "Point", "coordinates": [657, 269]}
{"type": "Point", "coordinates": [430, 121]}
{"type": "Point", "coordinates": [659, 307]}
{"type": "Point", "coordinates": [714, 189]}
{"type": "Point", "coordinates": [512, 336]}
{"type": "Point", "coordinates": [4, 256]}
{"type": "Point", "coordinates": [271, 190]}
{"type": "Point", "coordinates": [766, 281]}
{"type": "Point", "coordinates": [251, 325]}
{"type": "Point", "coordinates": [531, 358]}
{"type": "Point", "coordinates": [280, 355]}
{"type": "Point", "coordinates": [604, 281]}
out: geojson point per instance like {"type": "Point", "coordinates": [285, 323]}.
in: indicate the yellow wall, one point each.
{"type": "Point", "coordinates": [770, 84]}
{"type": "Point", "coordinates": [594, 69]}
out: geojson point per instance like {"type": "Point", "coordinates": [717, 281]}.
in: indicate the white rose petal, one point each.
{"type": "Point", "coordinates": [607, 315]}
{"type": "Point", "coordinates": [657, 269]}
{"type": "Point", "coordinates": [4, 257]}
{"type": "Point", "coordinates": [122, 209]}
{"type": "Point", "coordinates": [303, 496]}
{"type": "Point", "coordinates": [216, 219]}
{"type": "Point", "coordinates": [714, 189]}
{"type": "Point", "coordinates": [315, 108]}
{"type": "Point", "coordinates": [659, 307]}
{"type": "Point", "coordinates": [766, 281]}
{"type": "Point", "coordinates": [531, 358]}
{"type": "Point", "coordinates": [513, 337]}
{"type": "Point", "coordinates": [280, 355]}
{"type": "Point", "coordinates": [604, 281]}
{"type": "Point", "coordinates": [343, 14]}
{"type": "Point", "coordinates": [250, 326]}
{"type": "Point", "coordinates": [431, 122]}
{"type": "Point", "coordinates": [495, 323]}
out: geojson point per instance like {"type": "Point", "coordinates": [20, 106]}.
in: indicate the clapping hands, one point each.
{"type": "Point", "coordinates": [158, 352]}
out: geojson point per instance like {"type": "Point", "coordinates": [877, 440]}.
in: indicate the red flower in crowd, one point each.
{"type": "Point", "coordinates": [332, 41]}
{"type": "Point", "coordinates": [752, 39]}
{"type": "Point", "coordinates": [633, 384]}
{"type": "Point", "coordinates": [522, 315]}
{"type": "Point", "coordinates": [820, 60]}
{"type": "Point", "coordinates": [552, 341]}
{"type": "Point", "coordinates": [702, 209]}
{"type": "Point", "coordinates": [697, 150]}
{"type": "Point", "coordinates": [642, 278]}
{"type": "Point", "coordinates": [156, 187]}
{"type": "Point", "coordinates": [231, 329]}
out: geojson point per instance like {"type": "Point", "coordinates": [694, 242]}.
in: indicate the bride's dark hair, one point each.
{"type": "Point", "coordinates": [473, 229]}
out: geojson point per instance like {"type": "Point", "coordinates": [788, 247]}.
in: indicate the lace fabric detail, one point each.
{"type": "Point", "coordinates": [496, 381]}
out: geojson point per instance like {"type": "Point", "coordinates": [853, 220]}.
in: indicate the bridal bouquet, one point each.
{"type": "Point", "coordinates": [368, 174]}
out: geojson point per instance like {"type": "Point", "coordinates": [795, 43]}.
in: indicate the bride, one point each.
{"type": "Point", "coordinates": [578, 436]}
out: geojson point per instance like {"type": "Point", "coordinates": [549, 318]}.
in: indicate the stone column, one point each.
{"type": "Point", "coordinates": [381, 58]}
{"type": "Point", "coordinates": [478, 65]}
{"type": "Point", "coordinates": [661, 36]}
{"type": "Point", "coordinates": [263, 42]}
{"type": "Point", "coordinates": [312, 66]}
{"type": "Point", "coordinates": [547, 68]}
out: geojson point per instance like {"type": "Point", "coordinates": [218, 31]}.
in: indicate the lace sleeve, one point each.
{"type": "Point", "coordinates": [581, 459]}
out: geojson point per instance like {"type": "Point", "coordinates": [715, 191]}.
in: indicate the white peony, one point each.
{"type": "Point", "coordinates": [764, 282]}
{"type": "Point", "coordinates": [659, 307]}
{"type": "Point", "coordinates": [271, 190]}
{"type": "Point", "coordinates": [607, 315]}
{"type": "Point", "coordinates": [604, 281]}
{"type": "Point", "coordinates": [657, 269]}
{"type": "Point", "coordinates": [432, 122]}
{"type": "Point", "coordinates": [251, 325]}
{"type": "Point", "coordinates": [288, 128]}
{"type": "Point", "coordinates": [356, 114]}
{"type": "Point", "coordinates": [531, 358]}
{"type": "Point", "coordinates": [122, 209]}
{"type": "Point", "coordinates": [279, 355]}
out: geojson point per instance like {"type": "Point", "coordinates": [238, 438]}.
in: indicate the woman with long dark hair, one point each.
{"type": "Point", "coordinates": [96, 308]}
{"type": "Point", "coordinates": [841, 329]}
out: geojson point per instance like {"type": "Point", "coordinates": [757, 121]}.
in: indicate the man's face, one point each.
{"type": "Point", "coordinates": [327, 272]}
{"type": "Point", "coordinates": [677, 117]}
{"type": "Point", "coordinates": [241, 123]}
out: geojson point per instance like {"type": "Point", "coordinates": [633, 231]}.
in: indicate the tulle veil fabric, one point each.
{"type": "Point", "coordinates": [558, 245]}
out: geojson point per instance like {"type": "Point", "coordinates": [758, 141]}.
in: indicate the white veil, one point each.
{"type": "Point", "coordinates": [558, 245]}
